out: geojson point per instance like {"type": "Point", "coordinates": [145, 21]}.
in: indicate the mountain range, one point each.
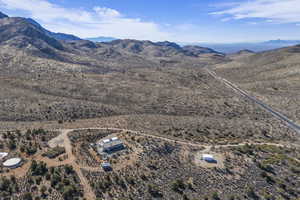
{"type": "Point", "coordinates": [230, 48]}
{"type": "Point", "coordinates": [26, 42]}
{"type": "Point", "coordinates": [218, 47]}
{"type": "Point", "coordinates": [30, 36]}
{"type": "Point", "coordinates": [227, 48]}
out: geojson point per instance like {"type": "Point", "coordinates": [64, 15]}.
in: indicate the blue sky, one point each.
{"type": "Point", "coordinates": [219, 21]}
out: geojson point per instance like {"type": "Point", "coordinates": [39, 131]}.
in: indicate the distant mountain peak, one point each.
{"type": "Point", "coordinates": [279, 41]}
{"type": "Point", "coordinates": [243, 51]}
{"type": "Point", "coordinates": [169, 44]}
{"type": "Point", "coordinates": [197, 50]}
{"type": "Point", "coordinates": [2, 15]}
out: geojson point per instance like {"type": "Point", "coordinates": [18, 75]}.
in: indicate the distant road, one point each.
{"type": "Point", "coordinates": [275, 113]}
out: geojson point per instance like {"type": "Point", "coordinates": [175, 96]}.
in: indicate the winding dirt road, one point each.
{"type": "Point", "coordinates": [88, 191]}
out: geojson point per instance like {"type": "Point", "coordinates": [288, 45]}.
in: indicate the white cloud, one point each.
{"type": "Point", "coordinates": [106, 12]}
{"type": "Point", "coordinates": [282, 11]}
{"type": "Point", "coordinates": [100, 21]}
{"type": "Point", "coordinates": [45, 11]}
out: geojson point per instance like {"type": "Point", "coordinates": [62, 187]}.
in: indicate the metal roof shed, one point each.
{"type": "Point", "coordinates": [209, 158]}
{"type": "Point", "coordinates": [106, 141]}
{"type": "Point", "coordinates": [106, 166]}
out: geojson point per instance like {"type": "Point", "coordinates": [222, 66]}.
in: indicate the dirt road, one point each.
{"type": "Point", "coordinates": [88, 191]}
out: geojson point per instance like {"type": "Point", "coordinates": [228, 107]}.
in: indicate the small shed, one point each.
{"type": "Point", "coordinates": [209, 158]}
{"type": "Point", "coordinates": [106, 166]}
{"type": "Point", "coordinates": [105, 141]}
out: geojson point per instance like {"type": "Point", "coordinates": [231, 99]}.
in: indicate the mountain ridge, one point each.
{"type": "Point", "coordinates": [58, 36]}
{"type": "Point", "coordinates": [20, 28]}
{"type": "Point", "coordinates": [2, 15]}
{"type": "Point", "coordinates": [30, 32]}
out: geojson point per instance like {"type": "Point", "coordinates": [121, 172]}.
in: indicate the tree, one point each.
{"type": "Point", "coordinates": [30, 150]}
{"type": "Point", "coordinates": [154, 191]}
{"type": "Point", "coordinates": [55, 179]}
{"type": "Point", "coordinates": [43, 190]}
{"type": "Point", "coordinates": [69, 169]}
{"type": "Point", "coordinates": [27, 196]}
{"type": "Point", "coordinates": [33, 165]}
{"type": "Point", "coordinates": [18, 132]}
{"type": "Point", "coordinates": [12, 145]}
{"type": "Point", "coordinates": [215, 196]}
{"type": "Point", "coordinates": [4, 184]}
{"type": "Point", "coordinates": [178, 186]}
{"type": "Point", "coordinates": [69, 192]}
{"type": "Point", "coordinates": [38, 169]}
{"type": "Point", "coordinates": [28, 134]}
{"type": "Point", "coordinates": [13, 179]}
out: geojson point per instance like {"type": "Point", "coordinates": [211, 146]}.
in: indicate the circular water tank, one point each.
{"type": "Point", "coordinates": [13, 162]}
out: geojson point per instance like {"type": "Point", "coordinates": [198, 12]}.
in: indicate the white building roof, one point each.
{"type": "Point", "coordinates": [106, 140]}
{"type": "Point", "coordinates": [114, 138]}
{"type": "Point", "coordinates": [105, 164]}
{"type": "Point", "coordinates": [207, 156]}
{"type": "Point", "coordinates": [3, 155]}
{"type": "Point", "coordinates": [12, 162]}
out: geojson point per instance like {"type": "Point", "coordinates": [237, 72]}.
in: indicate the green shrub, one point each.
{"type": "Point", "coordinates": [54, 152]}
{"type": "Point", "coordinates": [38, 169]}
{"type": "Point", "coordinates": [27, 196]}
{"type": "Point", "coordinates": [30, 150]}
{"type": "Point", "coordinates": [178, 186]}
{"type": "Point", "coordinates": [154, 191]}
{"type": "Point", "coordinates": [215, 196]}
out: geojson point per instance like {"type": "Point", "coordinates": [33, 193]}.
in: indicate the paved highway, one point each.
{"type": "Point", "coordinates": [275, 113]}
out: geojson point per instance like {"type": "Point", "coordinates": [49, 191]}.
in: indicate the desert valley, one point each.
{"type": "Point", "coordinates": [132, 119]}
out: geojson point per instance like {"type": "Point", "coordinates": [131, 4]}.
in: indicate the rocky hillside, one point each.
{"type": "Point", "coordinates": [58, 36]}
{"type": "Point", "coordinates": [2, 15]}
{"type": "Point", "coordinates": [197, 50]}
{"type": "Point", "coordinates": [81, 79]}
{"type": "Point", "coordinates": [18, 33]}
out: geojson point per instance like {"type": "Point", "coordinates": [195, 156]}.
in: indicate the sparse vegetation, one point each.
{"type": "Point", "coordinates": [272, 76]}
{"type": "Point", "coordinates": [54, 152]}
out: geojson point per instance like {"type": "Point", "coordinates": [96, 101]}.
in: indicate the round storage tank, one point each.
{"type": "Point", "coordinates": [12, 163]}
